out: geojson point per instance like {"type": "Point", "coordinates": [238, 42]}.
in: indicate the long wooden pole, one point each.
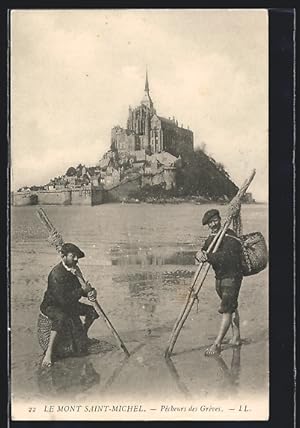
{"type": "Point", "coordinates": [194, 281]}
{"type": "Point", "coordinates": [203, 269]}
{"type": "Point", "coordinates": [56, 239]}
{"type": "Point", "coordinates": [191, 301]}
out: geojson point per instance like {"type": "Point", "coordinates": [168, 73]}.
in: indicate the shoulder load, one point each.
{"type": "Point", "coordinates": [254, 253]}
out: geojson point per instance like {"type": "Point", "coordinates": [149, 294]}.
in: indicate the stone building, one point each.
{"type": "Point", "coordinates": [148, 131]}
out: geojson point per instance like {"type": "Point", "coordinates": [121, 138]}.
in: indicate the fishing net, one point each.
{"type": "Point", "coordinates": [55, 237]}
{"type": "Point", "coordinates": [237, 224]}
{"type": "Point", "coordinates": [56, 240]}
{"type": "Point", "coordinates": [234, 215]}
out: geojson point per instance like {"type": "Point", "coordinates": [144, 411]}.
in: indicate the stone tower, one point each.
{"type": "Point", "coordinates": [148, 131]}
{"type": "Point", "coordinates": [139, 118]}
{"type": "Point", "coordinates": [146, 101]}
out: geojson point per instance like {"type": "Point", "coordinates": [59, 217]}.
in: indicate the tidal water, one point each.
{"type": "Point", "coordinates": [140, 258]}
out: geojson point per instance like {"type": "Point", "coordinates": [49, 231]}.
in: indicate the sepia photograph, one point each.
{"type": "Point", "coordinates": [139, 208]}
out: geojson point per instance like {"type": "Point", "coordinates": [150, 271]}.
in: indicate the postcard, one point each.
{"type": "Point", "coordinates": [139, 215]}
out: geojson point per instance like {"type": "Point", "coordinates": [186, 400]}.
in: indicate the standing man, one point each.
{"type": "Point", "coordinates": [227, 264]}
{"type": "Point", "coordinates": [62, 307]}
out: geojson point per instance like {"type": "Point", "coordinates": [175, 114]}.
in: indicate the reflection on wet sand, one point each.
{"type": "Point", "coordinates": [119, 368]}
{"type": "Point", "coordinates": [164, 277]}
{"type": "Point", "coordinates": [73, 376]}
{"type": "Point", "coordinates": [145, 292]}
{"type": "Point", "coordinates": [229, 383]}
{"type": "Point", "coordinates": [145, 289]}
{"type": "Point", "coordinates": [174, 373]}
{"type": "Point", "coordinates": [144, 297]}
{"type": "Point", "coordinates": [69, 376]}
{"type": "Point", "coordinates": [144, 256]}
{"type": "Point", "coordinates": [142, 277]}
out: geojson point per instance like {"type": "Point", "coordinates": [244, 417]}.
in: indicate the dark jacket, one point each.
{"type": "Point", "coordinates": [227, 260]}
{"type": "Point", "coordinates": [63, 290]}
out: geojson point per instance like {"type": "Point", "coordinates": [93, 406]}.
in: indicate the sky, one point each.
{"type": "Point", "coordinates": [74, 74]}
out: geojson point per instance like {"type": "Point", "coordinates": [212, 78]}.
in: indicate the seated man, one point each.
{"type": "Point", "coordinates": [227, 264]}
{"type": "Point", "coordinates": [62, 307]}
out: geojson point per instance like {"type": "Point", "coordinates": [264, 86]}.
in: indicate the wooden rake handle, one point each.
{"type": "Point", "coordinates": [200, 275]}
{"type": "Point", "coordinates": [56, 239]}
{"type": "Point", "coordinates": [101, 313]}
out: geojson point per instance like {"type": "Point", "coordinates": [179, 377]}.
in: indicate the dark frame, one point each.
{"type": "Point", "coordinates": [281, 210]}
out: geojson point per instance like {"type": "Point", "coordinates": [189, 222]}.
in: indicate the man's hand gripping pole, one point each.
{"type": "Point", "coordinates": [56, 240]}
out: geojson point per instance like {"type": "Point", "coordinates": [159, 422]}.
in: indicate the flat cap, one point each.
{"type": "Point", "coordinates": [71, 248]}
{"type": "Point", "coordinates": [209, 215]}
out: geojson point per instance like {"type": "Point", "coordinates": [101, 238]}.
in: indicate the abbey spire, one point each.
{"type": "Point", "coordinates": [147, 83]}
{"type": "Point", "coordinates": [147, 99]}
{"type": "Point", "coordinates": [147, 132]}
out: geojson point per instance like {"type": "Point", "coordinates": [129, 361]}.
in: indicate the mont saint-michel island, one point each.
{"type": "Point", "coordinates": [153, 159]}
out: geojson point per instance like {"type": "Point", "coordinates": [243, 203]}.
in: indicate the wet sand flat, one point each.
{"type": "Point", "coordinates": [140, 258]}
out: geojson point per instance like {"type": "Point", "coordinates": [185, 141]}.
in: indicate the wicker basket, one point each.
{"type": "Point", "coordinates": [43, 331]}
{"type": "Point", "coordinates": [71, 341]}
{"type": "Point", "coordinates": [255, 253]}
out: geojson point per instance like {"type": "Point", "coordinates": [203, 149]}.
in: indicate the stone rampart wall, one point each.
{"type": "Point", "coordinates": [55, 197]}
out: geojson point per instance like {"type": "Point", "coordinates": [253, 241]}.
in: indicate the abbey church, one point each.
{"type": "Point", "coordinates": [149, 152]}
{"type": "Point", "coordinates": [150, 133]}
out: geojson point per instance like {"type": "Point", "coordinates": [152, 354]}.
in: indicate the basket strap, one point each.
{"type": "Point", "coordinates": [43, 315]}
{"type": "Point", "coordinates": [234, 237]}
